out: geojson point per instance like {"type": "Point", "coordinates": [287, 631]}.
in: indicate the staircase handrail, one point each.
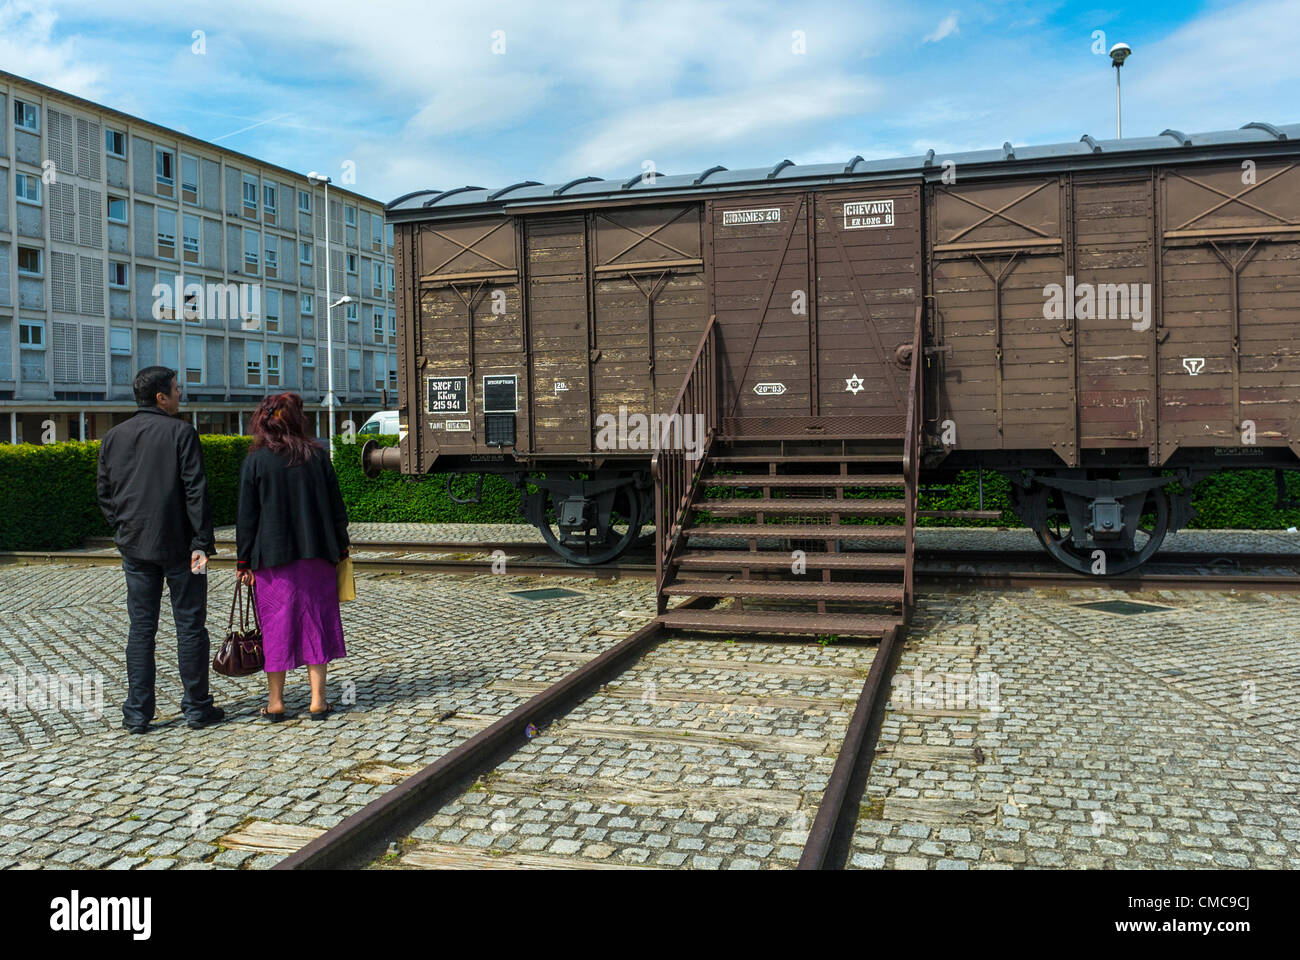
{"type": "Point", "coordinates": [675, 474]}
{"type": "Point", "coordinates": [912, 438]}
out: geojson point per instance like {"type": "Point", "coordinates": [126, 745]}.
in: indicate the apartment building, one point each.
{"type": "Point", "coordinates": [105, 218]}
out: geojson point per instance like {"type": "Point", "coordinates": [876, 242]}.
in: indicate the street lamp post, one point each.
{"type": "Point", "coordinates": [320, 178]}
{"type": "Point", "coordinates": [1118, 54]}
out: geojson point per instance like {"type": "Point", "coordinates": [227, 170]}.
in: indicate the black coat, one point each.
{"type": "Point", "coordinates": [289, 513]}
{"type": "Point", "coordinates": [152, 489]}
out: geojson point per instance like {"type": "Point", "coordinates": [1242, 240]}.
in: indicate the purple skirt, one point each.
{"type": "Point", "coordinates": [298, 604]}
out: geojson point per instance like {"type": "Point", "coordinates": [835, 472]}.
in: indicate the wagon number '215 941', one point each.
{"type": "Point", "coordinates": [446, 395]}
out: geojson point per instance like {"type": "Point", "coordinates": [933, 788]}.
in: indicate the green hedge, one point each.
{"type": "Point", "coordinates": [48, 494]}
{"type": "Point", "coordinates": [394, 498]}
{"type": "Point", "coordinates": [48, 491]}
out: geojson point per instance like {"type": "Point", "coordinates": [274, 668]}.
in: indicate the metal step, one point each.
{"type": "Point", "coordinates": [789, 590]}
{"type": "Point", "coordinates": [803, 480]}
{"type": "Point", "coordinates": [962, 514]}
{"type": "Point", "coordinates": [792, 505]}
{"type": "Point", "coordinates": [894, 458]}
{"type": "Point", "coordinates": [780, 624]}
{"type": "Point", "coordinates": [781, 560]}
{"type": "Point", "coordinates": [798, 531]}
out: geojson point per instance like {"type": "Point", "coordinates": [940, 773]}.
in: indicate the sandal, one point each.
{"type": "Point", "coordinates": [321, 714]}
{"type": "Point", "coordinates": [272, 717]}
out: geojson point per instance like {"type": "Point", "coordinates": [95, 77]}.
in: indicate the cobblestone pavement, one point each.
{"type": "Point", "coordinates": [76, 789]}
{"type": "Point", "coordinates": [1090, 739]}
{"type": "Point", "coordinates": [1167, 738]}
{"type": "Point", "coordinates": [706, 754]}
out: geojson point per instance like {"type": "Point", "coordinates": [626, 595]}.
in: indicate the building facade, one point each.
{"type": "Point", "coordinates": [125, 244]}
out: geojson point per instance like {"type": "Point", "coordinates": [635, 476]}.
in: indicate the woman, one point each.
{"type": "Point", "coordinates": [291, 531]}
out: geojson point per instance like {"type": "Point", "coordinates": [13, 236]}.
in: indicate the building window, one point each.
{"type": "Point", "coordinates": [119, 341]}
{"type": "Point", "coordinates": [31, 334]}
{"type": "Point", "coordinates": [306, 304]}
{"type": "Point", "coordinates": [388, 234]}
{"type": "Point", "coordinates": [253, 363]}
{"type": "Point", "coordinates": [304, 201]}
{"type": "Point", "coordinates": [169, 349]}
{"type": "Point", "coordinates": [392, 324]}
{"type": "Point", "coordinates": [250, 196]}
{"type": "Point", "coordinates": [268, 199]}
{"type": "Point", "coordinates": [165, 170]}
{"type": "Point", "coordinates": [117, 209]}
{"type": "Point", "coordinates": [308, 355]}
{"type": "Point", "coordinates": [354, 360]}
{"type": "Point", "coordinates": [392, 375]}
{"type": "Point", "coordinates": [193, 358]}
{"type": "Point", "coordinates": [191, 307]}
{"type": "Point", "coordinates": [118, 275]}
{"type": "Point", "coordinates": [379, 326]}
{"type": "Point", "coordinates": [27, 116]}
{"type": "Point", "coordinates": [189, 179]}
{"type": "Point", "coordinates": [167, 300]}
{"type": "Point", "coordinates": [350, 216]}
{"type": "Point", "coordinates": [28, 188]}
{"type": "Point", "coordinates": [376, 232]}
{"type": "Point", "coordinates": [29, 262]}
{"type": "Point", "coordinates": [352, 263]}
{"type": "Point", "coordinates": [272, 308]}
{"type": "Point", "coordinates": [381, 370]}
{"type": "Point", "coordinates": [304, 254]}
{"type": "Point", "coordinates": [390, 279]}
{"type": "Point", "coordinates": [350, 311]}
{"type": "Point", "coordinates": [377, 278]}
{"type": "Point", "coordinates": [191, 238]}
{"type": "Point", "coordinates": [272, 364]}
{"type": "Point", "coordinates": [252, 242]}
{"type": "Point", "coordinates": [272, 257]}
{"type": "Point", "coordinates": [115, 143]}
{"type": "Point", "coordinates": [166, 234]}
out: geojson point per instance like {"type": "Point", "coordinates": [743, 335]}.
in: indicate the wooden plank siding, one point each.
{"type": "Point", "coordinates": [1230, 292]}
{"type": "Point", "coordinates": [599, 309]}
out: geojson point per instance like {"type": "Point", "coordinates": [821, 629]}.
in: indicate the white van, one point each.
{"type": "Point", "coordinates": [385, 421]}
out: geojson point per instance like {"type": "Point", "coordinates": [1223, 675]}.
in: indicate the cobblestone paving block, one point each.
{"type": "Point", "coordinates": [1027, 731]}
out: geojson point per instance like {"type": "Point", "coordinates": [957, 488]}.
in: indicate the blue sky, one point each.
{"type": "Point", "coordinates": [413, 94]}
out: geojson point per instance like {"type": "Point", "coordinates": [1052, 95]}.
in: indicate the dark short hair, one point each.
{"type": "Point", "coordinates": [152, 381]}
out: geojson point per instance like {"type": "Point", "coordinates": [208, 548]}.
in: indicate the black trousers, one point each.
{"type": "Point", "coordinates": [189, 597]}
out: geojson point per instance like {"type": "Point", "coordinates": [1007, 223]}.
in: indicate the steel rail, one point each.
{"type": "Point", "coordinates": [834, 816]}
{"type": "Point", "coordinates": [368, 827]}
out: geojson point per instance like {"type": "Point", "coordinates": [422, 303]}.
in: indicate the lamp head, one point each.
{"type": "Point", "coordinates": [1119, 53]}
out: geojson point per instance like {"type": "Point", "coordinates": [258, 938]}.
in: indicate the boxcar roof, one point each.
{"type": "Point", "coordinates": [1171, 146]}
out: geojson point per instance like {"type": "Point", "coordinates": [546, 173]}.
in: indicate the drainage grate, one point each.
{"type": "Point", "coordinates": [1125, 607]}
{"type": "Point", "coordinates": [549, 593]}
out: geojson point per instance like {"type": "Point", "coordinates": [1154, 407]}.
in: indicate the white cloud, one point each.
{"type": "Point", "coordinates": [947, 27]}
{"type": "Point", "coordinates": [675, 128]}
{"type": "Point", "coordinates": [28, 49]}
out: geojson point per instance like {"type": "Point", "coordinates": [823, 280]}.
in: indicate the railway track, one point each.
{"type": "Point", "coordinates": [756, 734]}
{"type": "Point", "coordinates": [1014, 569]}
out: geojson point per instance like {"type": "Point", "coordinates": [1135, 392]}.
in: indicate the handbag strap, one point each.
{"type": "Point", "coordinates": [252, 605]}
{"type": "Point", "coordinates": [234, 601]}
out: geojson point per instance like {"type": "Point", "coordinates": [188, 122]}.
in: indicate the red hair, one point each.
{"type": "Point", "coordinates": [279, 425]}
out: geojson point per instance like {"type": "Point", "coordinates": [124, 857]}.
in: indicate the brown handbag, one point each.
{"type": "Point", "coordinates": [240, 654]}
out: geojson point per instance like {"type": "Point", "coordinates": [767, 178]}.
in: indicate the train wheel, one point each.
{"type": "Point", "coordinates": [591, 546]}
{"type": "Point", "coordinates": [1055, 536]}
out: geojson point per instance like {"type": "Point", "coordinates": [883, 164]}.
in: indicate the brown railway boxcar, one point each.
{"type": "Point", "coordinates": [1092, 317]}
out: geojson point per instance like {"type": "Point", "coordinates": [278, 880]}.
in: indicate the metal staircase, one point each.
{"type": "Point", "coordinates": [807, 537]}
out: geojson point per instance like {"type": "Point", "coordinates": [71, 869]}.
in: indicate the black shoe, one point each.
{"type": "Point", "coordinates": [215, 715]}
{"type": "Point", "coordinates": [135, 727]}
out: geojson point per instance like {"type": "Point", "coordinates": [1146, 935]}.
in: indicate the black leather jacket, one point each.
{"type": "Point", "coordinates": [152, 489]}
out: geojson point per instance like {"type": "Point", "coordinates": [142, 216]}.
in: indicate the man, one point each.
{"type": "Point", "coordinates": [154, 495]}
